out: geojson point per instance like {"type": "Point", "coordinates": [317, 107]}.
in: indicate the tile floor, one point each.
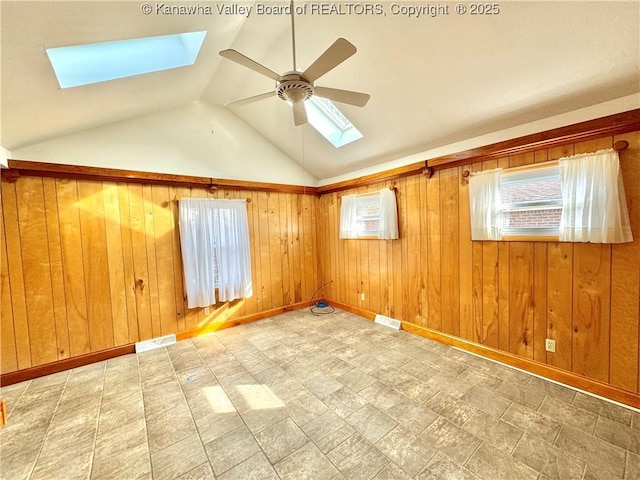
{"type": "Point", "coordinates": [304, 397]}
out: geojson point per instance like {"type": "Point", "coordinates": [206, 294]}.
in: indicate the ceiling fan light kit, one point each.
{"type": "Point", "coordinates": [296, 87]}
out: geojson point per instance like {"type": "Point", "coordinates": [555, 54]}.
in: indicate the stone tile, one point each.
{"type": "Point", "coordinates": [486, 401]}
{"type": "Point", "coordinates": [632, 467]}
{"type": "Point", "coordinates": [165, 430]}
{"type": "Point", "coordinates": [231, 449]}
{"type": "Point", "coordinates": [480, 378]}
{"type": "Point", "coordinates": [323, 385]}
{"type": "Point", "coordinates": [618, 434]}
{"type": "Point", "coordinates": [493, 431]}
{"type": "Point", "coordinates": [569, 414]}
{"type": "Point", "coordinates": [306, 463]}
{"type": "Point", "coordinates": [201, 472]}
{"type": "Point", "coordinates": [451, 440]}
{"type": "Point", "coordinates": [449, 366]}
{"type": "Point", "coordinates": [256, 467]}
{"type": "Point", "coordinates": [411, 415]}
{"type": "Point", "coordinates": [356, 379]}
{"type": "Point", "coordinates": [489, 462]}
{"type": "Point", "coordinates": [392, 472]}
{"type": "Point", "coordinates": [357, 459]}
{"type": "Point", "coordinates": [305, 408]}
{"type": "Point", "coordinates": [178, 459]}
{"type": "Point", "coordinates": [510, 375]}
{"type": "Point", "coordinates": [371, 423]}
{"type": "Point", "coordinates": [420, 370]}
{"type": "Point", "coordinates": [604, 408]}
{"type": "Point", "coordinates": [67, 467]}
{"type": "Point", "coordinates": [328, 431]}
{"type": "Point", "coordinates": [593, 472]}
{"type": "Point", "coordinates": [591, 449]}
{"type": "Point", "coordinates": [123, 463]}
{"type": "Point", "coordinates": [281, 439]}
{"type": "Point", "coordinates": [532, 422]}
{"type": "Point", "coordinates": [442, 467]}
{"type": "Point", "coordinates": [390, 376]}
{"type": "Point", "coordinates": [406, 450]}
{"type": "Point", "coordinates": [551, 389]}
{"type": "Point", "coordinates": [417, 390]}
{"type": "Point", "coordinates": [457, 411]}
{"type": "Point", "coordinates": [344, 402]}
{"type": "Point", "coordinates": [523, 394]}
{"type": "Point", "coordinates": [451, 385]}
{"type": "Point", "coordinates": [548, 459]}
{"type": "Point", "coordinates": [381, 396]}
{"type": "Point", "coordinates": [258, 420]}
{"type": "Point", "coordinates": [394, 358]}
{"type": "Point", "coordinates": [215, 425]}
{"type": "Point", "coordinates": [635, 420]}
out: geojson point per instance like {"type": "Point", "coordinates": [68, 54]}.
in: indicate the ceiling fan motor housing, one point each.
{"type": "Point", "coordinates": [293, 88]}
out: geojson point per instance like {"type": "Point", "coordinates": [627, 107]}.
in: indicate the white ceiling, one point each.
{"type": "Point", "coordinates": [432, 81]}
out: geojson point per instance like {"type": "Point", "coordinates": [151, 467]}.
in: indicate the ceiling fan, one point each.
{"type": "Point", "coordinates": [296, 86]}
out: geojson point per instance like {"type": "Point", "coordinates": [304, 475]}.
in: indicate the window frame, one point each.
{"type": "Point", "coordinates": [368, 235]}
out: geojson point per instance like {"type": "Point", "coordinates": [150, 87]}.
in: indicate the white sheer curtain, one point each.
{"type": "Point", "coordinates": [348, 221]}
{"type": "Point", "coordinates": [485, 203]}
{"type": "Point", "coordinates": [214, 236]}
{"type": "Point", "coordinates": [594, 208]}
{"type": "Point", "coordinates": [388, 215]}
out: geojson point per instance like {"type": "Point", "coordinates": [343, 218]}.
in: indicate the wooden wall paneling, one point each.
{"type": "Point", "coordinates": [285, 238]}
{"type": "Point", "coordinates": [477, 266]}
{"type": "Point", "coordinates": [560, 289]}
{"type": "Point", "coordinates": [467, 264]}
{"type": "Point", "coordinates": [504, 319]}
{"type": "Point", "coordinates": [163, 228]}
{"type": "Point", "coordinates": [373, 291]}
{"type": "Point", "coordinates": [591, 297]}
{"type": "Point", "coordinates": [56, 267]}
{"type": "Point", "coordinates": [115, 257]}
{"type": "Point", "coordinates": [424, 249]}
{"type": "Point", "coordinates": [8, 353]}
{"type": "Point", "coordinates": [332, 252]}
{"type": "Point", "coordinates": [140, 266]}
{"type": "Point", "coordinates": [265, 255]}
{"type": "Point", "coordinates": [434, 238]}
{"type": "Point", "coordinates": [74, 271]}
{"type": "Point", "coordinates": [296, 242]}
{"type": "Point", "coordinates": [402, 288]}
{"type": "Point", "coordinates": [311, 248]}
{"type": "Point", "coordinates": [397, 301]}
{"type": "Point", "coordinates": [625, 281]}
{"type": "Point", "coordinates": [275, 241]}
{"type": "Point", "coordinates": [37, 274]}
{"type": "Point", "coordinates": [414, 254]}
{"type": "Point", "coordinates": [152, 264]}
{"type": "Point", "coordinates": [251, 303]}
{"type": "Point", "coordinates": [490, 287]}
{"type": "Point", "coordinates": [96, 268]}
{"type": "Point", "coordinates": [176, 255]}
{"type": "Point", "coordinates": [540, 265]}
{"type": "Point", "coordinates": [450, 251]}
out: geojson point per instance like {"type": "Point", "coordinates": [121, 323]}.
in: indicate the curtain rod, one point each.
{"type": "Point", "coordinates": [178, 197]}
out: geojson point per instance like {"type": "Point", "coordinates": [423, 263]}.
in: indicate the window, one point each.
{"type": "Point", "coordinates": [531, 202]}
{"type": "Point", "coordinates": [98, 62]}
{"type": "Point", "coordinates": [371, 215]}
{"type": "Point", "coordinates": [330, 122]}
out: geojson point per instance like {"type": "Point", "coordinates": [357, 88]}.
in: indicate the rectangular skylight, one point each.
{"type": "Point", "coordinates": [330, 122]}
{"type": "Point", "coordinates": [99, 62]}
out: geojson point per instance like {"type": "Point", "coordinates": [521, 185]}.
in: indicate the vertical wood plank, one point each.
{"type": "Point", "coordinates": [504, 270]}
{"type": "Point", "coordinates": [8, 353]}
{"type": "Point", "coordinates": [127, 263]}
{"type": "Point", "coordinates": [468, 263]}
{"type": "Point", "coordinates": [285, 232]}
{"type": "Point", "coordinates": [435, 254]}
{"type": "Point", "coordinates": [152, 265]}
{"type": "Point", "coordinates": [265, 257]}
{"type": "Point", "coordinates": [414, 256]}
{"type": "Point", "coordinates": [94, 254]}
{"type": "Point", "coordinates": [178, 282]}
{"type": "Point", "coordinates": [625, 278]}
{"type": "Point", "coordinates": [540, 266]}
{"type": "Point", "coordinates": [296, 246]}
{"type": "Point", "coordinates": [277, 292]}
{"type": "Point", "coordinates": [450, 256]}
{"type": "Point", "coordinates": [56, 267]}
{"type": "Point", "coordinates": [74, 271]}
{"type": "Point", "coordinates": [490, 287]}
{"type": "Point", "coordinates": [560, 303]}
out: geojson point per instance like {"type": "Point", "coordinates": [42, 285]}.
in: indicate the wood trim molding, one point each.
{"type": "Point", "coordinates": [75, 362]}
{"type": "Point", "coordinates": [568, 378]}
{"type": "Point", "coordinates": [601, 127]}
{"type": "Point", "coordinates": [66, 364]}
{"type": "Point", "coordinates": [214, 327]}
{"type": "Point", "coordinates": [19, 168]}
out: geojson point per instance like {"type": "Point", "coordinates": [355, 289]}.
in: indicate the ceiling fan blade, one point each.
{"type": "Point", "coordinates": [246, 101]}
{"type": "Point", "coordinates": [343, 96]}
{"type": "Point", "coordinates": [245, 61]}
{"type": "Point", "coordinates": [299, 114]}
{"type": "Point", "coordinates": [331, 58]}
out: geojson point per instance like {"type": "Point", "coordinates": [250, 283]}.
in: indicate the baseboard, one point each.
{"type": "Point", "coordinates": [214, 327]}
{"type": "Point", "coordinates": [74, 362]}
{"type": "Point", "coordinates": [568, 378]}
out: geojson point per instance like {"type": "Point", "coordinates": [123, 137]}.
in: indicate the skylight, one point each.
{"type": "Point", "coordinates": [99, 62]}
{"type": "Point", "coordinates": [330, 122]}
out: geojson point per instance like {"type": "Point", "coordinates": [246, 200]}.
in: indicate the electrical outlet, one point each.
{"type": "Point", "coordinates": [206, 310]}
{"type": "Point", "coordinates": [362, 296]}
{"type": "Point", "coordinates": [550, 345]}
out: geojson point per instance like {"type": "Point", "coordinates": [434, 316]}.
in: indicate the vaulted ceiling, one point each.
{"type": "Point", "coordinates": [432, 80]}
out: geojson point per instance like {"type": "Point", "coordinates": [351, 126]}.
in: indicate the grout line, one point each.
{"type": "Point", "coordinates": [95, 436]}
